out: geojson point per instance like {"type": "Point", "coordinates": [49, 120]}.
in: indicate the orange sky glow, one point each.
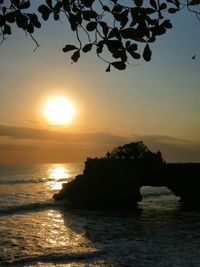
{"type": "Point", "coordinates": [158, 102]}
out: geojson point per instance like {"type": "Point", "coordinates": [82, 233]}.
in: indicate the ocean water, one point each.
{"type": "Point", "coordinates": [36, 231]}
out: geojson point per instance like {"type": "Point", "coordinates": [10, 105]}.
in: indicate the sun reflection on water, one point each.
{"type": "Point", "coordinates": [57, 175]}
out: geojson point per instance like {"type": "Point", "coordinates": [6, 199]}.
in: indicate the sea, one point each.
{"type": "Point", "coordinates": [37, 231]}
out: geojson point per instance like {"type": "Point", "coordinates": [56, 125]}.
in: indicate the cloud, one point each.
{"type": "Point", "coordinates": [174, 149]}
{"type": "Point", "coordinates": [29, 145]}
{"type": "Point", "coordinates": [25, 132]}
{"type": "Point", "coordinates": [56, 145]}
{"type": "Point", "coordinates": [12, 147]}
{"type": "Point", "coordinates": [41, 134]}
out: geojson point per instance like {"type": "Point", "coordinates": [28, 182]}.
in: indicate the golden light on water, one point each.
{"type": "Point", "coordinates": [59, 111]}
{"type": "Point", "coordinates": [58, 174]}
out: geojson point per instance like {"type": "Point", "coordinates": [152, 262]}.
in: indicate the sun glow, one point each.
{"type": "Point", "coordinates": [57, 175]}
{"type": "Point", "coordinates": [59, 111]}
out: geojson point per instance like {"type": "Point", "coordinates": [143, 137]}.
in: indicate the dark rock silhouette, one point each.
{"type": "Point", "coordinates": [183, 179]}
{"type": "Point", "coordinates": [114, 182]}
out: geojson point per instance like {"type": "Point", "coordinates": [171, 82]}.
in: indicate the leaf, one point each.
{"type": "Point", "coordinates": [25, 5]}
{"type": "Point", "coordinates": [163, 6]}
{"type": "Point", "coordinates": [16, 3]}
{"type": "Point", "coordinates": [56, 16]}
{"type": "Point", "coordinates": [128, 43]}
{"type": "Point", "coordinates": [147, 53]}
{"type": "Point", "coordinates": [30, 28]}
{"type": "Point", "coordinates": [152, 39]}
{"type": "Point", "coordinates": [34, 20]}
{"type": "Point", "coordinates": [104, 28]}
{"type": "Point", "coordinates": [172, 10]}
{"type": "Point", "coordinates": [91, 26]}
{"type": "Point", "coordinates": [7, 29]}
{"type": "Point", "coordinates": [68, 48]}
{"type": "Point", "coordinates": [177, 3]}
{"type": "Point", "coordinates": [45, 11]}
{"type": "Point", "coordinates": [153, 4]}
{"type": "Point", "coordinates": [1, 20]}
{"type": "Point", "coordinates": [10, 17]}
{"type": "Point", "coordinates": [124, 20]}
{"type": "Point", "coordinates": [194, 2]}
{"type": "Point", "coordinates": [114, 33]}
{"type": "Point", "coordinates": [114, 46]}
{"type": "Point", "coordinates": [160, 30]}
{"type": "Point", "coordinates": [73, 21]}
{"type": "Point", "coordinates": [75, 56]}
{"type": "Point", "coordinates": [4, 9]}
{"type": "Point", "coordinates": [117, 9]}
{"type": "Point", "coordinates": [89, 14]}
{"type": "Point", "coordinates": [131, 33]}
{"type": "Point", "coordinates": [57, 6]}
{"type": "Point", "coordinates": [167, 24]}
{"type": "Point", "coordinates": [138, 2]}
{"type": "Point", "coordinates": [49, 3]}
{"type": "Point", "coordinates": [132, 47]}
{"type": "Point", "coordinates": [21, 21]}
{"type": "Point", "coordinates": [66, 5]}
{"type": "Point", "coordinates": [106, 8]}
{"type": "Point", "coordinates": [108, 68]}
{"type": "Point", "coordinates": [100, 46]}
{"type": "Point", "coordinates": [87, 48]}
{"type": "Point", "coordinates": [134, 54]}
{"type": "Point", "coordinates": [87, 3]}
{"type": "Point", "coordinates": [120, 65]}
{"type": "Point", "coordinates": [150, 10]}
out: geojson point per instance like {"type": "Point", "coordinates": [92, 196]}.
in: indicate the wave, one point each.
{"type": "Point", "coordinates": [34, 181]}
{"type": "Point", "coordinates": [58, 258]}
{"type": "Point", "coordinates": [156, 194]}
{"type": "Point", "coordinates": [31, 207]}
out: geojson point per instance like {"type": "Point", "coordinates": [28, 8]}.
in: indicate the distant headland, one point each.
{"type": "Point", "coordinates": [114, 181]}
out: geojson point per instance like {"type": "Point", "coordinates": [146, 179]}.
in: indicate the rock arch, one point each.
{"type": "Point", "coordinates": [115, 184]}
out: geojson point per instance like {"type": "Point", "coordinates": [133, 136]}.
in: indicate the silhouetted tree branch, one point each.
{"type": "Point", "coordinates": [118, 31]}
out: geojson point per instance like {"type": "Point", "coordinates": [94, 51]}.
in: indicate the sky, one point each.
{"type": "Point", "coordinates": [157, 102]}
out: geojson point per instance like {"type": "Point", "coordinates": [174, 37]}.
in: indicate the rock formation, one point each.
{"type": "Point", "coordinates": [114, 181]}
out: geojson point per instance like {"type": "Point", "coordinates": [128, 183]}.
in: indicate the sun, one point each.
{"type": "Point", "coordinates": [59, 110]}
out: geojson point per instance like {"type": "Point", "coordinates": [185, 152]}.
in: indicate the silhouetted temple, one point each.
{"type": "Point", "coordinates": [114, 182]}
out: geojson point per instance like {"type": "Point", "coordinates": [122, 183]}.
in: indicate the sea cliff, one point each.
{"type": "Point", "coordinates": [114, 182]}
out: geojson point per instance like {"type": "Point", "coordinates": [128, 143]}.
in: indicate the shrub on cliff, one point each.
{"type": "Point", "coordinates": [134, 151]}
